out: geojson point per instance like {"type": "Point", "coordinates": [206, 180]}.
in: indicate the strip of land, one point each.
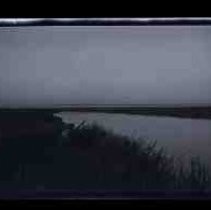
{"type": "Point", "coordinates": [200, 112]}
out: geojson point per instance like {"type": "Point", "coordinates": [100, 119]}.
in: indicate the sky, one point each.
{"type": "Point", "coordinates": [47, 66]}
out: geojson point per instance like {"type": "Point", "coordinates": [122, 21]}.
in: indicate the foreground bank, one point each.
{"type": "Point", "coordinates": [38, 151]}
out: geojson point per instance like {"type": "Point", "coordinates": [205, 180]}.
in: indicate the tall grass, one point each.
{"type": "Point", "coordinates": [136, 162]}
{"type": "Point", "coordinates": [91, 157]}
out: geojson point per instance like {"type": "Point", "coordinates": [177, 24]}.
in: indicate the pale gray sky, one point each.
{"type": "Point", "coordinates": [105, 64]}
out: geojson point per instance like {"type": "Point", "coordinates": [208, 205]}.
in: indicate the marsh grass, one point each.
{"type": "Point", "coordinates": [91, 157]}
{"type": "Point", "coordinates": [135, 162]}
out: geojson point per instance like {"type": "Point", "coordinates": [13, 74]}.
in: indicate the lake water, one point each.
{"type": "Point", "coordinates": [181, 137]}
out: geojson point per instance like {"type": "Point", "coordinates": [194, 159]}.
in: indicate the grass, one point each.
{"type": "Point", "coordinates": [138, 164]}
{"type": "Point", "coordinates": [91, 157]}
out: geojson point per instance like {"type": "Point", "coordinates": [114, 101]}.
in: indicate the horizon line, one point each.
{"type": "Point", "coordinates": [107, 105]}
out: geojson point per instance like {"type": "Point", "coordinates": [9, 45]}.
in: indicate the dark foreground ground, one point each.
{"type": "Point", "coordinates": [41, 156]}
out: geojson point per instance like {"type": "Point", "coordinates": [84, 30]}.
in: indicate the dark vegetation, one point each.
{"type": "Point", "coordinates": [39, 151]}
{"type": "Point", "coordinates": [196, 112]}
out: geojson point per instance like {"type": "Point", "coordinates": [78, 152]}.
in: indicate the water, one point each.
{"type": "Point", "coordinates": [180, 137]}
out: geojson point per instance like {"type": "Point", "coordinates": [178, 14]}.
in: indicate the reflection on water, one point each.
{"type": "Point", "coordinates": [181, 137]}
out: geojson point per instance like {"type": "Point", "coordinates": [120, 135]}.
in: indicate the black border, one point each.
{"type": "Point", "coordinates": [85, 204]}
{"type": "Point", "coordinates": [103, 9]}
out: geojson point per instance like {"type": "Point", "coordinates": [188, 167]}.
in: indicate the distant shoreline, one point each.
{"type": "Point", "coordinates": [193, 112]}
